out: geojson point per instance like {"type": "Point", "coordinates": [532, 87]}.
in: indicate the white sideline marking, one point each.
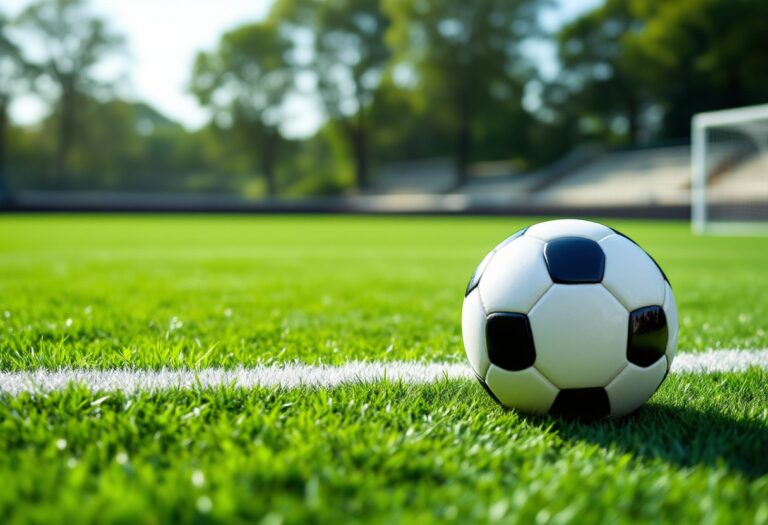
{"type": "Point", "coordinates": [297, 375]}
{"type": "Point", "coordinates": [719, 361]}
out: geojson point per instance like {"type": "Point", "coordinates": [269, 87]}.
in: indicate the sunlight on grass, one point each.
{"type": "Point", "coordinates": [191, 292]}
{"type": "Point", "coordinates": [107, 291]}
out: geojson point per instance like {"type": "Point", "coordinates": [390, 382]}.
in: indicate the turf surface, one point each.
{"type": "Point", "coordinates": [190, 291]}
{"type": "Point", "coordinates": [148, 292]}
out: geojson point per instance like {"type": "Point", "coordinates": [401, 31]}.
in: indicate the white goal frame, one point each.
{"type": "Point", "coordinates": [700, 124]}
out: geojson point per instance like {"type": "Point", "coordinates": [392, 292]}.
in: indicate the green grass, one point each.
{"type": "Point", "coordinates": [384, 454]}
{"type": "Point", "coordinates": [192, 291]}
{"type": "Point", "coordinates": [106, 291]}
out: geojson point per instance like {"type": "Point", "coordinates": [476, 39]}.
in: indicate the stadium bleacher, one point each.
{"type": "Point", "coordinates": [657, 176]}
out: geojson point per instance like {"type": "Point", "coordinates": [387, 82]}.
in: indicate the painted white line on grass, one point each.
{"type": "Point", "coordinates": [719, 361]}
{"type": "Point", "coordinates": [297, 375]}
{"type": "Point", "coordinates": [284, 375]}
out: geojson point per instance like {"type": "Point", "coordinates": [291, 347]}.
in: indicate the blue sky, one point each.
{"type": "Point", "coordinates": [157, 64]}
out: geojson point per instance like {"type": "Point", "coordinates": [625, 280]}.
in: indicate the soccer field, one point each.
{"type": "Point", "coordinates": [192, 294]}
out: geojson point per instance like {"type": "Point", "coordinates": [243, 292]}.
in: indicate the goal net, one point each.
{"type": "Point", "coordinates": [729, 166]}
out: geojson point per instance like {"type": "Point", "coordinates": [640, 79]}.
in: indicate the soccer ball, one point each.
{"type": "Point", "coordinates": [572, 318]}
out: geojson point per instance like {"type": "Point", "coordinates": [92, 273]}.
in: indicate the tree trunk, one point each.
{"type": "Point", "coordinates": [733, 90]}
{"type": "Point", "coordinates": [357, 138]}
{"type": "Point", "coordinates": [357, 135]}
{"type": "Point", "coordinates": [66, 133]}
{"type": "Point", "coordinates": [5, 191]}
{"type": "Point", "coordinates": [633, 121]}
{"type": "Point", "coordinates": [268, 155]}
{"type": "Point", "coordinates": [360, 141]}
{"type": "Point", "coordinates": [463, 140]}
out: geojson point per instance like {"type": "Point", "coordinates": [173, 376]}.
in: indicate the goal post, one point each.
{"type": "Point", "coordinates": [729, 171]}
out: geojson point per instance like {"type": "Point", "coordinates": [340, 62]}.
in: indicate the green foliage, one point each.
{"type": "Point", "coordinates": [699, 55]}
{"type": "Point", "coordinates": [603, 92]}
{"type": "Point", "coordinates": [14, 75]}
{"type": "Point", "coordinates": [245, 82]}
{"type": "Point", "coordinates": [346, 58]}
{"type": "Point", "coordinates": [72, 42]}
{"type": "Point", "coordinates": [124, 146]}
{"type": "Point", "coordinates": [325, 158]}
{"type": "Point", "coordinates": [625, 60]}
{"type": "Point", "coordinates": [395, 79]}
{"type": "Point", "coordinates": [13, 68]}
{"type": "Point", "coordinates": [465, 61]}
{"type": "Point", "coordinates": [348, 49]}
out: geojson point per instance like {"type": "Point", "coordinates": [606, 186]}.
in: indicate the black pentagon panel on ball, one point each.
{"type": "Point", "coordinates": [648, 335]}
{"type": "Point", "coordinates": [585, 404]}
{"type": "Point", "coordinates": [574, 260]}
{"type": "Point", "coordinates": [664, 275]}
{"type": "Point", "coordinates": [509, 341]}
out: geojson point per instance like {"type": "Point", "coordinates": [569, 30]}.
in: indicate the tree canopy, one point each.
{"type": "Point", "coordinates": [643, 68]}
{"type": "Point", "coordinates": [245, 81]}
{"type": "Point", "coordinates": [465, 60]}
{"type": "Point", "coordinates": [392, 80]}
{"type": "Point", "coordinates": [70, 42]}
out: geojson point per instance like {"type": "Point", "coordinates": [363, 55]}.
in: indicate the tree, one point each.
{"type": "Point", "coordinates": [466, 57]}
{"type": "Point", "coordinates": [700, 55]}
{"type": "Point", "coordinates": [71, 43]}
{"type": "Point", "coordinates": [348, 58]}
{"type": "Point", "coordinates": [603, 84]}
{"type": "Point", "coordinates": [245, 82]}
{"type": "Point", "coordinates": [13, 70]}
{"type": "Point", "coordinates": [623, 59]}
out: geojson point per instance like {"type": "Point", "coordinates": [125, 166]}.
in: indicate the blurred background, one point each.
{"type": "Point", "coordinates": [402, 105]}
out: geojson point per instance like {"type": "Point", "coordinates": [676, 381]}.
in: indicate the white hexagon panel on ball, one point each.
{"type": "Point", "coordinates": [526, 390]}
{"type": "Point", "coordinates": [670, 309]}
{"type": "Point", "coordinates": [633, 386]}
{"type": "Point", "coordinates": [580, 335]}
{"type": "Point", "coordinates": [473, 333]}
{"type": "Point", "coordinates": [516, 277]}
{"type": "Point", "coordinates": [630, 274]}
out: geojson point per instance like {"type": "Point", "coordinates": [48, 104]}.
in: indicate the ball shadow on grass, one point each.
{"type": "Point", "coordinates": [684, 436]}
